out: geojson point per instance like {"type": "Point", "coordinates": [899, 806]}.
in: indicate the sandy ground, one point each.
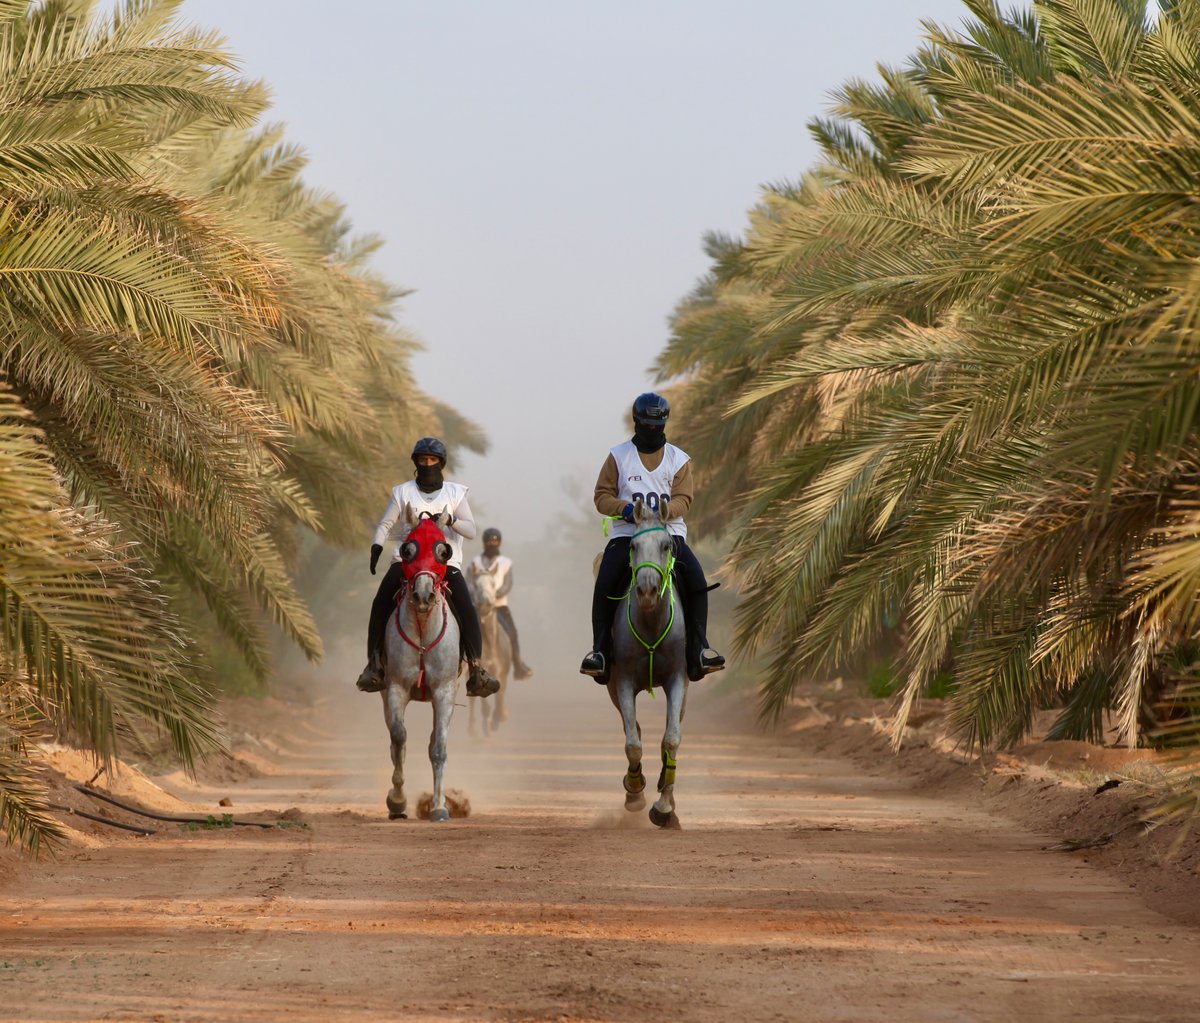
{"type": "Point", "coordinates": [810, 881]}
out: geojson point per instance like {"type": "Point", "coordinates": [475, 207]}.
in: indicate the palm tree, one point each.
{"type": "Point", "coordinates": [190, 350]}
{"type": "Point", "coordinates": [957, 367]}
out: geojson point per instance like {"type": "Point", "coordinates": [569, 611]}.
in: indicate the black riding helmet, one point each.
{"type": "Point", "coordinates": [430, 446]}
{"type": "Point", "coordinates": [651, 409]}
{"type": "Point", "coordinates": [491, 533]}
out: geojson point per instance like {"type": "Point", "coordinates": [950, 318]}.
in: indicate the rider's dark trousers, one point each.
{"type": "Point", "coordinates": [460, 602]}
{"type": "Point", "coordinates": [504, 616]}
{"type": "Point", "coordinates": [613, 578]}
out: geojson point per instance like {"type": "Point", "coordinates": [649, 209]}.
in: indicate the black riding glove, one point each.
{"type": "Point", "coordinates": [376, 550]}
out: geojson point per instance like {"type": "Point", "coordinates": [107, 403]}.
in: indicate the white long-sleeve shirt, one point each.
{"type": "Point", "coordinates": [404, 512]}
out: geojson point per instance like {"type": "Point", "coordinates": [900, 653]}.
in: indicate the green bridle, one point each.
{"type": "Point", "coordinates": [666, 586]}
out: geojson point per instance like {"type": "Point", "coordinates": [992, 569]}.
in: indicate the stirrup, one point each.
{"type": "Point", "coordinates": [480, 682]}
{"type": "Point", "coordinates": [711, 661]}
{"type": "Point", "coordinates": [371, 680]}
{"type": "Point", "coordinates": [593, 664]}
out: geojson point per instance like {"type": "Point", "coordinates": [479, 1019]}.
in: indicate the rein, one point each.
{"type": "Point", "coordinates": [439, 587]}
{"type": "Point", "coordinates": [666, 585]}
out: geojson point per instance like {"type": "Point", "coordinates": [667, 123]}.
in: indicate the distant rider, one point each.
{"type": "Point", "coordinates": [427, 492]}
{"type": "Point", "coordinates": [492, 562]}
{"type": "Point", "coordinates": [646, 467]}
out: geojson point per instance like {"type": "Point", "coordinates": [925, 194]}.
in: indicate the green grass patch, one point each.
{"type": "Point", "coordinates": [884, 680]}
{"type": "Point", "coordinates": [213, 822]}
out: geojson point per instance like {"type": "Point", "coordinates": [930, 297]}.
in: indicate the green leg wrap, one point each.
{"type": "Point", "coordinates": [667, 775]}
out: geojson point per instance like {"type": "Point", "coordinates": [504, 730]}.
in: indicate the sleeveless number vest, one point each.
{"type": "Point", "coordinates": [634, 480]}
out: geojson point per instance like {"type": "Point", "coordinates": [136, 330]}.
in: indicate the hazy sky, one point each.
{"type": "Point", "coordinates": [543, 172]}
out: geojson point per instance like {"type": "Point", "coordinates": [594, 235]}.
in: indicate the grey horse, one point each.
{"type": "Point", "coordinates": [422, 660]}
{"type": "Point", "coordinates": [496, 657]}
{"type": "Point", "coordinates": [649, 655]}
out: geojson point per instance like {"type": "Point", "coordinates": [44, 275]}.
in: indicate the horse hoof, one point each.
{"type": "Point", "coordinates": [660, 819]}
{"type": "Point", "coordinates": [439, 815]}
{"type": "Point", "coordinates": [634, 801]}
{"type": "Point", "coordinates": [401, 816]}
{"type": "Point", "coordinates": [396, 808]}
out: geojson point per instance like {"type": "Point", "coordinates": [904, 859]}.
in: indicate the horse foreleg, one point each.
{"type": "Point", "coordinates": [662, 813]}
{"type": "Point", "coordinates": [394, 702]}
{"type": "Point", "coordinates": [443, 708]}
{"type": "Point", "coordinates": [501, 709]}
{"type": "Point", "coordinates": [634, 781]}
{"type": "Point", "coordinates": [472, 724]}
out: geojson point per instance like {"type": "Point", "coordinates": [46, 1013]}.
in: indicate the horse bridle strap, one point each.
{"type": "Point", "coordinates": [421, 632]}
{"type": "Point", "coordinates": [666, 578]}
{"type": "Point", "coordinates": [664, 572]}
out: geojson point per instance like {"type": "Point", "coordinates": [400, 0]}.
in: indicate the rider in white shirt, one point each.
{"type": "Point", "coordinates": [492, 562]}
{"type": "Point", "coordinates": [428, 493]}
{"type": "Point", "coordinates": [649, 468]}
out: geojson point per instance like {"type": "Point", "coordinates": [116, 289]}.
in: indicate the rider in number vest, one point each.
{"type": "Point", "coordinates": [648, 468]}
{"type": "Point", "coordinates": [426, 492]}
{"type": "Point", "coordinates": [500, 568]}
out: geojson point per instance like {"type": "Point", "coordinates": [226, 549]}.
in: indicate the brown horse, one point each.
{"type": "Point", "coordinates": [497, 655]}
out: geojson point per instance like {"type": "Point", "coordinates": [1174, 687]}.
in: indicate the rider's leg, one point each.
{"type": "Point", "coordinates": [505, 618]}
{"type": "Point", "coordinates": [701, 658]}
{"type": "Point", "coordinates": [479, 681]}
{"type": "Point", "coordinates": [371, 679]}
{"type": "Point", "coordinates": [612, 575]}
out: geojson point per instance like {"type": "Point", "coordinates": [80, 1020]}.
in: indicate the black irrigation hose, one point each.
{"type": "Point", "coordinates": [166, 816]}
{"type": "Point", "coordinates": [103, 820]}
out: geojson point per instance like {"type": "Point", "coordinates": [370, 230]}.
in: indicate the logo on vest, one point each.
{"type": "Point", "coordinates": [635, 479]}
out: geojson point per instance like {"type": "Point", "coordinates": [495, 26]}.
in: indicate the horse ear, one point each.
{"type": "Point", "coordinates": [442, 551]}
{"type": "Point", "coordinates": [408, 550]}
{"type": "Point", "coordinates": [640, 511]}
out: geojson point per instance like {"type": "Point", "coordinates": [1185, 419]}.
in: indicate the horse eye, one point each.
{"type": "Point", "coordinates": [442, 552]}
{"type": "Point", "coordinates": [408, 550]}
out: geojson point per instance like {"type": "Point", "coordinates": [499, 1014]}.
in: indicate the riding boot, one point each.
{"type": "Point", "coordinates": [612, 578]}
{"type": "Point", "coordinates": [598, 663]}
{"type": "Point", "coordinates": [480, 681]}
{"type": "Point", "coordinates": [371, 680]}
{"type": "Point", "coordinates": [701, 658]}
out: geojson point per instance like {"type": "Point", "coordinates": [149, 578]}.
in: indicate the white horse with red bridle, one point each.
{"type": "Point", "coordinates": [423, 663]}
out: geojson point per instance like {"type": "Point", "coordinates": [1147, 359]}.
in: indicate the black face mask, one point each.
{"type": "Point", "coordinates": [648, 439]}
{"type": "Point", "coordinates": [429, 478]}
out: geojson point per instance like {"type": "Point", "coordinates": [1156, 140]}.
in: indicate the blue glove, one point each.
{"type": "Point", "coordinates": [627, 513]}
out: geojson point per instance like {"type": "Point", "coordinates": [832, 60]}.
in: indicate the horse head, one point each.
{"type": "Point", "coordinates": [425, 554]}
{"type": "Point", "coordinates": [485, 593]}
{"type": "Point", "coordinates": [651, 556]}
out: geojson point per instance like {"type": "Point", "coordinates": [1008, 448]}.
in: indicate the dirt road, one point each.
{"type": "Point", "coordinates": [797, 889]}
